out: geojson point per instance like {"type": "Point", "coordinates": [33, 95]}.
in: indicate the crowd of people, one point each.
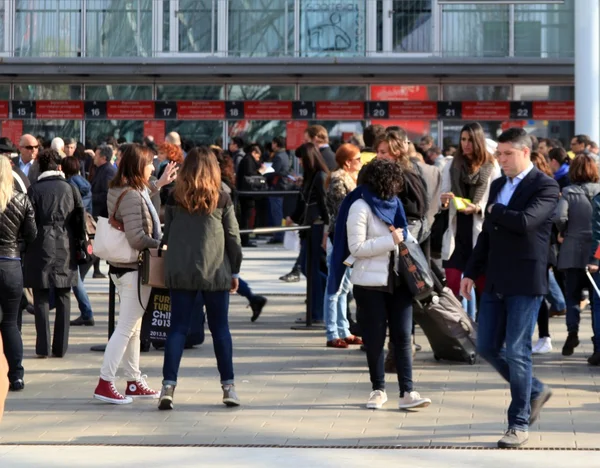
{"type": "Point", "coordinates": [513, 223]}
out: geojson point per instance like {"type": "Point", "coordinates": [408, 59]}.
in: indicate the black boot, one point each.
{"type": "Point", "coordinates": [256, 304]}
{"type": "Point", "coordinates": [571, 343]}
{"type": "Point", "coordinates": [594, 359]}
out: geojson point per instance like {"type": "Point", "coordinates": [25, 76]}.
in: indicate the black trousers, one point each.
{"type": "Point", "coordinates": [11, 290]}
{"type": "Point", "coordinates": [246, 207]}
{"type": "Point", "coordinates": [60, 340]}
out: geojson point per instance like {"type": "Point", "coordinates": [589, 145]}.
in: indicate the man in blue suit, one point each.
{"type": "Point", "coordinates": [512, 253]}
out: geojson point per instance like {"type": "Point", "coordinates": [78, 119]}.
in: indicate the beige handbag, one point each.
{"type": "Point", "coordinates": [152, 267]}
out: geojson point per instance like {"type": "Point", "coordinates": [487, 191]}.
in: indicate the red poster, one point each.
{"type": "Point", "coordinates": [554, 110]}
{"type": "Point", "coordinates": [295, 133]}
{"type": "Point", "coordinates": [513, 124]}
{"type": "Point", "coordinates": [340, 110]}
{"type": "Point", "coordinates": [400, 93]}
{"type": "Point", "coordinates": [200, 110]}
{"type": "Point", "coordinates": [130, 110]}
{"type": "Point", "coordinates": [155, 129]}
{"type": "Point", "coordinates": [268, 110]}
{"type": "Point", "coordinates": [62, 110]}
{"type": "Point", "coordinates": [12, 129]}
{"type": "Point", "coordinates": [3, 109]}
{"type": "Point", "coordinates": [486, 110]}
{"type": "Point", "coordinates": [413, 110]}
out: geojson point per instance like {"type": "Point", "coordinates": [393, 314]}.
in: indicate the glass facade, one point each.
{"type": "Point", "coordinates": [283, 28]}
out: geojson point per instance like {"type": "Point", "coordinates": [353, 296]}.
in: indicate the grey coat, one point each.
{"type": "Point", "coordinates": [573, 219]}
{"type": "Point", "coordinates": [204, 251]}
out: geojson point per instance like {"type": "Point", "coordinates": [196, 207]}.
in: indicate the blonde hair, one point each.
{"type": "Point", "coordinates": [318, 133]}
{"type": "Point", "coordinates": [199, 182]}
{"type": "Point", "coordinates": [394, 142]}
{"type": "Point", "coordinates": [6, 182]}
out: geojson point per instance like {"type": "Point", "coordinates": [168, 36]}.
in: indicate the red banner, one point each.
{"type": "Point", "coordinates": [554, 110]}
{"type": "Point", "coordinates": [295, 133]}
{"type": "Point", "coordinates": [486, 110]}
{"type": "Point", "coordinates": [417, 110]}
{"type": "Point", "coordinates": [155, 129]}
{"type": "Point", "coordinates": [268, 110]}
{"type": "Point", "coordinates": [130, 110]}
{"type": "Point", "coordinates": [342, 110]}
{"type": "Point", "coordinates": [62, 110]}
{"type": "Point", "coordinates": [200, 110]}
{"type": "Point", "coordinates": [406, 93]}
{"type": "Point", "coordinates": [3, 109]}
{"type": "Point", "coordinates": [12, 129]}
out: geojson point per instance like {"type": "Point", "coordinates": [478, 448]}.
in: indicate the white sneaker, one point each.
{"type": "Point", "coordinates": [377, 399]}
{"type": "Point", "coordinates": [543, 346]}
{"type": "Point", "coordinates": [413, 400]}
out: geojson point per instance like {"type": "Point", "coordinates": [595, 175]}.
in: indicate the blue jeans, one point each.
{"type": "Point", "coordinates": [511, 320]}
{"type": "Point", "coordinates": [596, 314]}
{"type": "Point", "coordinates": [183, 305]}
{"type": "Point", "coordinates": [555, 295]}
{"type": "Point", "coordinates": [276, 215]}
{"type": "Point", "coordinates": [335, 305]}
{"type": "Point", "coordinates": [575, 282]}
{"type": "Point", "coordinates": [83, 300]}
{"type": "Point", "coordinates": [244, 290]}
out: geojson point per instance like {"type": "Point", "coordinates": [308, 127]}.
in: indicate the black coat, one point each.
{"type": "Point", "coordinates": [248, 167]}
{"type": "Point", "coordinates": [17, 223]}
{"type": "Point", "coordinates": [512, 249]}
{"type": "Point", "coordinates": [102, 176]}
{"type": "Point", "coordinates": [59, 216]}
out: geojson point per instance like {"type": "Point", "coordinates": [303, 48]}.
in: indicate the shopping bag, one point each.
{"type": "Point", "coordinates": [291, 241]}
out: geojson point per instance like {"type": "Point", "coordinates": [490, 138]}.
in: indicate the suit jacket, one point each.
{"type": "Point", "coordinates": [512, 249]}
{"type": "Point", "coordinates": [34, 170]}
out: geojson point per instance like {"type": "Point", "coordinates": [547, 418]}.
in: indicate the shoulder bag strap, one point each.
{"type": "Point", "coordinates": [112, 219]}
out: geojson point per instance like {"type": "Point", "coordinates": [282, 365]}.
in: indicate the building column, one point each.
{"type": "Point", "coordinates": [587, 68]}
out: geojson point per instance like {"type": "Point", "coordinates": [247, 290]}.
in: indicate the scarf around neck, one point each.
{"type": "Point", "coordinates": [155, 219]}
{"type": "Point", "coordinates": [470, 185]}
{"type": "Point", "coordinates": [563, 171]}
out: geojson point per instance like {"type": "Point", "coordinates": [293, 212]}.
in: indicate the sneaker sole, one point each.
{"type": "Point", "coordinates": [144, 397]}
{"type": "Point", "coordinates": [112, 400]}
{"type": "Point", "coordinates": [532, 420]}
{"type": "Point", "coordinates": [376, 406]}
{"type": "Point", "coordinates": [230, 403]}
{"type": "Point", "coordinates": [512, 446]}
{"type": "Point", "coordinates": [421, 404]}
{"type": "Point", "coordinates": [165, 404]}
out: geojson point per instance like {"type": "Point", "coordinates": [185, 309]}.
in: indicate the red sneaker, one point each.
{"type": "Point", "coordinates": [106, 391]}
{"type": "Point", "coordinates": [140, 389]}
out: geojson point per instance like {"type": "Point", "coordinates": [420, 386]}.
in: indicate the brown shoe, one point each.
{"type": "Point", "coordinates": [337, 343]}
{"type": "Point", "coordinates": [353, 340]}
{"type": "Point", "coordinates": [558, 313]}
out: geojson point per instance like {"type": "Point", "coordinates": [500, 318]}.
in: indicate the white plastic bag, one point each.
{"type": "Point", "coordinates": [291, 241]}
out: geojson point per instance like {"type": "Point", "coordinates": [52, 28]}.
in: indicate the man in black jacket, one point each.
{"type": "Point", "coordinates": [278, 180]}
{"type": "Point", "coordinates": [512, 253]}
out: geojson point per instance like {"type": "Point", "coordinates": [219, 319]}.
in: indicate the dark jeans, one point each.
{"type": "Point", "coordinates": [575, 282]}
{"type": "Point", "coordinates": [276, 215]}
{"type": "Point", "coordinates": [376, 311]}
{"type": "Point", "coordinates": [511, 320]}
{"type": "Point", "coordinates": [245, 291]}
{"type": "Point", "coordinates": [317, 276]}
{"type": "Point", "coordinates": [60, 340]}
{"type": "Point", "coordinates": [246, 207]}
{"type": "Point", "coordinates": [596, 314]}
{"type": "Point", "coordinates": [183, 305]}
{"type": "Point", "coordinates": [11, 290]}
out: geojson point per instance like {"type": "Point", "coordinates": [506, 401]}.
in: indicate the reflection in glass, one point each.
{"type": "Point", "coordinates": [333, 93]}
{"type": "Point", "coordinates": [50, 129]}
{"type": "Point", "coordinates": [97, 131]}
{"type": "Point", "coordinates": [257, 131]}
{"type": "Point", "coordinates": [332, 27]}
{"type": "Point", "coordinates": [4, 92]}
{"type": "Point", "coordinates": [47, 92]}
{"type": "Point", "coordinates": [117, 28]}
{"type": "Point", "coordinates": [260, 92]}
{"type": "Point", "coordinates": [197, 132]}
{"type": "Point", "coordinates": [47, 28]}
{"type": "Point", "coordinates": [261, 28]}
{"type": "Point", "coordinates": [196, 19]}
{"type": "Point", "coordinates": [189, 92]}
{"type": "Point", "coordinates": [475, 30]}
{"type": "Point", "coordinates": [2, 19]}
{"type": "Point", "coordinates": [475, 93]}
{"type": "Point", "coordinates": [543, 93]}
{"type": "Point", "coordinates": [118, 92]}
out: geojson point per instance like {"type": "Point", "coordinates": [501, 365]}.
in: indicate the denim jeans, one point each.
{"type": "Point", "coordinates": [511, 320]}
{"type": "Point", "coordinates": [576, 281]}
{"type": "Point", "coordinates": [83, 300]}
{"type": "Point", "coordinates": [244, 290]}
{"type": "Point", "coordinates": [555, 295]}
{"type": "Point", "coordinates": [276, 215]}
{"type": "Point", "coordinates": [377, 311]}
{"type": "Point", "coordinates": [335, 305]}
{"type": "Point", "coordinates": [183, 305]}
{"type": "Point", "coordinates": [11, 290]}
{"type": "Point", "coordinates": [596, 313]}
{"type": "Point", "coordinates": [318, 277]}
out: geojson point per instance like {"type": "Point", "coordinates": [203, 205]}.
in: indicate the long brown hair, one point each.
{"type": "Point", "coordinates": [480, 155]}
{"type": "Point", "coordinates": [394, 140]}
{"type": "Point", "coordinates": [132, 166]}
{"type": "Point", "coordinates": [198, 182]}
{"type": "Point", "coordinates": [539, 161]}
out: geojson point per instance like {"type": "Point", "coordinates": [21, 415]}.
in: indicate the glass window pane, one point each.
{"type": "Point", "coordinates": [50, 129]}
{"type": "Point", "coordinates": [119, 28]}
{"type": "Point", "coordinates": [118, 92]}
{"type": "Point", "coordinates": [475, 30]}
{"type": "Point", "coordinates": [47, 28]}
{"type": "Point", "coordinates": [261, 28]}
{"type": "Point", "coordinates": [475, 93]}
{"type": "Point", "coordinates": [2, 19]}
{"type": "Point", "coordinates": [47, 92]}
{"type": "Point", "coordinates": [452, 131]}
{"type": "Point", "coordinates": [543, 93]}
{"type": "Point", "coordinates": [260, 93]}
{"type": "Point", "coordinates": [333, 93]}
{"type": "Point", "coordinates": [4, 92]}
{"type": "Point", "coordinates": [197, 133]}
{"type": "Point", "coordinates": [545, 30]}
{"type": "Point", "coordinates": [97, 131]}
{"type": "Point", "coordinates": [196, 19]}
{"type": "Point", "coordinates": [412, 26]}
{"type": "Point", "coordinates": [330, 27]}
{"type": "Point", "coordinates": [191, 92]}
{"type": "Point", "coordinates": [259, 131]}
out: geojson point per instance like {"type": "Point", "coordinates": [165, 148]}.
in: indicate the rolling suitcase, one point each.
{"type": "Point", "coordinates": [450, 331]}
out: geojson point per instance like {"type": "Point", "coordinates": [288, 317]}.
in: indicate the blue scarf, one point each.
{"type": "Point", "coordinates": [155, 219]}
{"type": "Point", "coordinates": [390, 212]}
{"type": "Point", "coordinates": [563, 171]}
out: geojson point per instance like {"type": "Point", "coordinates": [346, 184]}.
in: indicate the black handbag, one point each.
{"type": "Point", "coordinates": [256, 183]}
{"type": "Point", "coordinates": [415, 271]}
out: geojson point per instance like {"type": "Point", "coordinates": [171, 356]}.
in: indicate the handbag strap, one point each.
{"type": "Point", "coordinates": [112, 220]}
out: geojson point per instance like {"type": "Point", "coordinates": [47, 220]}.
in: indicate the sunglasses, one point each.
{"type": "Point", "coordinates": [30, 148]}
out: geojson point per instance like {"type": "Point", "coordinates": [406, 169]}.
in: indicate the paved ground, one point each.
{"type": "Point", "coordinates": [295, 393]}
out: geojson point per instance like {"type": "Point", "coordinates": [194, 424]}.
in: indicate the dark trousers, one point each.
{"type": "Point", "coordinates": [11, 290]}
{"type": "Point", "coordinates": [246, 207]}
{"type": "Point", "coordinates": [60, 340]}
{"type": "Point", "coordinates": [183, 305]}
{"type": "Point", "coordinates": [276, 215]}
{"type": "Point", "coordinates": [575, 282]}
{"type": "Point", "coordinates": [376, 311]}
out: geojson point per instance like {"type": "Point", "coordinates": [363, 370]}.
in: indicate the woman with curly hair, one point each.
{"type": "Point", "coordinates": [168, 152]}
